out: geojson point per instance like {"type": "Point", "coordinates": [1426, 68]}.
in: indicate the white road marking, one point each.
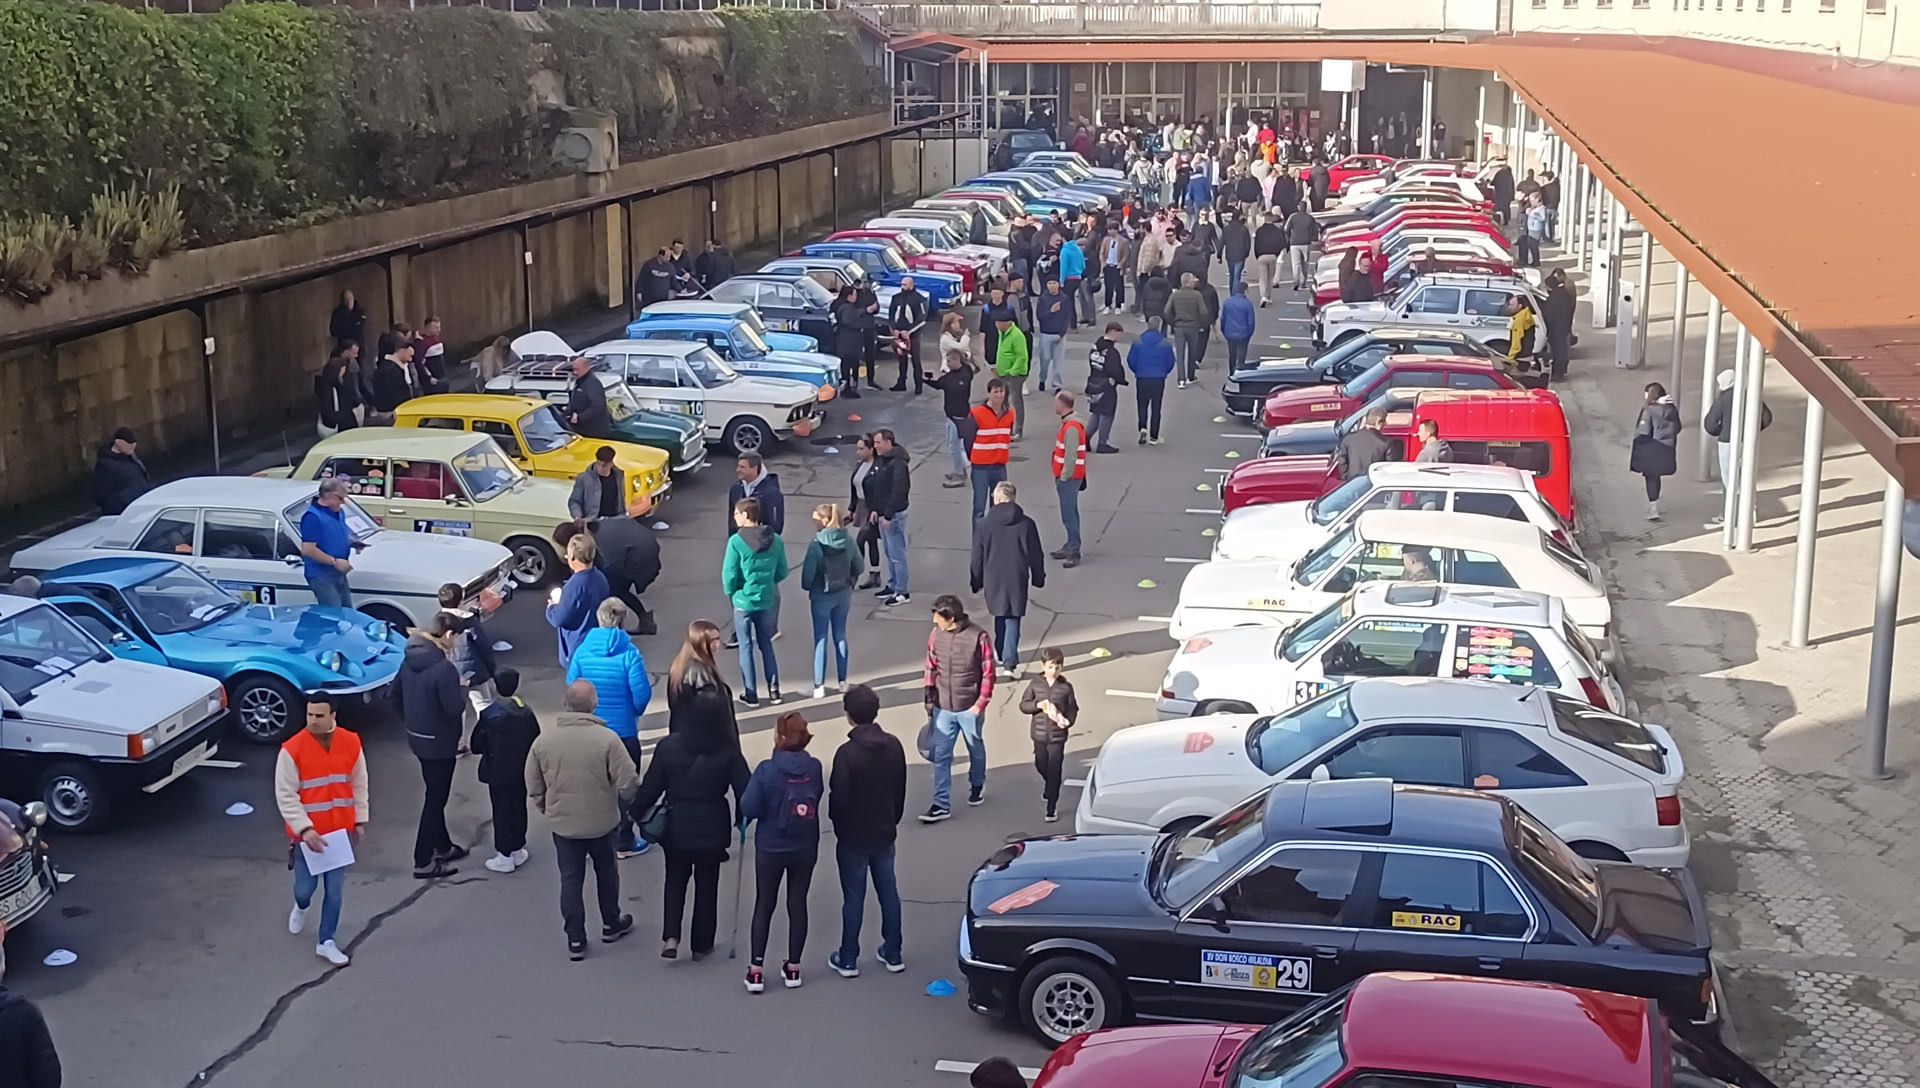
{"type": "Point", "coordinates": [1214, 510]}
{"type": "Point", "coordinates": [1076, 783]}
{"type": "Point", "coordinates": [1154, 619]}
{"type": "Point", "coordinates": [1183, 559]}
{"type": "Point", "coordinates": [226, 764]}
{"type": "Point", "coordinates": [1119, 693]}
{"type": "Point", "coordinates": [1026, 1071]}
{"type": "Point", "coordinates": [1240, 434]}
{"type": "Point", "coordinates": [1221, 471]}
{"type": "Point", "coordinates": [1290, 321]}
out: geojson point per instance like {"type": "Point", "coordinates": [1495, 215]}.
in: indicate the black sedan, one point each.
{"type": "Point", "coordinates": [788, 302]}
{"type": "Point", "coordinates": [1318, 436]}
{"type": "Point", "coordinates": [1246, 391]}
{"type": "Point", "coordinates": [1306, 886]}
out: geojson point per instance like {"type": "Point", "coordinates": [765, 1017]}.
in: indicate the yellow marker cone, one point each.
{"type": "Point", "coordinates": [1286, 345]}
{"type": "Point", "coordinates": [1147, 583]}
{"type": "Point", "coordinates": [1219, 419]}
{"type": "Point", "coordinates": [1209, 532]}
{"type": "Point", "coordinates": [1233, 455]}
{"type": "Point", "coordinates": [1203, 487]}
{"type": "Point", "coordinates": [1099, 651]}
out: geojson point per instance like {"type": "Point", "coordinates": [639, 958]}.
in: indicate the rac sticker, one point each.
{"type": "Point", "coordinates": [1413, 919]}
{"type": "Point", "coordinates": [1025, 897]}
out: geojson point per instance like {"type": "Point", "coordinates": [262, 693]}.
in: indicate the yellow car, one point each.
{"type": "Point", "coordinates": [535, 435]}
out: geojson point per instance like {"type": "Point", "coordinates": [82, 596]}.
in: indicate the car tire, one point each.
{"type": "Point", "coordinates": [1596, 851]}
{"type": "Point", "coordinates": [747, 435]}
{"type": "Point", "coordinates": [389, 615]}
{"type": "Point", "coordinates": [76, 797]}
{"type": "Point", "coordinates": [1067, 996]}
{"type": "Point", "coordinates": [1222, 706]}
{"type": "Point", "coordinates": [534, 561]}
{"type": "Point", "coordinates": [266, 709]}
{"type": "Point", "coordinates": [1344, 337]}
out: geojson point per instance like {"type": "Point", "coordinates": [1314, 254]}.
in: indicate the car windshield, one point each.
{"type": "Point", "coordinates": [40, 645]}
{"type": "Point", "coordinates": [811, 291]}
{"type": "Point", "coordinates": [542, 430]}
{"type": "Point", "coordinates": [1301, 639]}
{"type": "Point", "coordinates": [751, 317]}
{"type": "Point", "coordinates": [1278, 741]}
{"type": "Point", "coordinates": [1364, 380]}
{"type": "Point", "coordinates": [486, 472]}
{"type": "Point", "coordinates": [890, 257]}
{"type": "Point", "coordinates": [910, 245]}
{"type": "Point", "coordinates": [1319, 561]}
{"type": "Point", "coordinates": [1337, 355]}
{"type": "Point", "coordinates": [1326, 508]}
{"type": "Point", "coordinates": [747, 342]}
{"type": "Point", "coordinates": [1189, 864]}
{"type": "Point", "coordinates": [1302, 1051]}
{"type": "Point", "coordinates": [1555, 871]}
{"type": "Point", "coordinates": [620, 400]}
{"type": "Point", "coordinates": [709, 369]}
{"type": "Point", "coordinates": [179, 600]}
{"type": "Point", "coordinates": [359, 522]}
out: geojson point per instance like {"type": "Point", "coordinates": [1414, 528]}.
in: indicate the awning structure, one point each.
{"type": "Point", "coordinates": [931, 48]}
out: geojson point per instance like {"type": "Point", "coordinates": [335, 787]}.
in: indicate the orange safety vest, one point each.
{"type": "Point", "coordinates": [992, 436]}
{"type": "Point", "coordinates": [1060, 449]}
{"type": "Point", "coordinates": [326, 778]}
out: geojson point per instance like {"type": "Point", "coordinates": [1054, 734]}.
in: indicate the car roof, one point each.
{"type": "Point", "coordinates": [1484, 605]}
{"type": "Point", "coordinates": [227, 491]}
{"type": "Point", "coordinates": [433, 442]}
{"type": "Point", "coordinates": [670, 321]}
{"type": "Point", "coordinates": [680, 348]}
{"type": "Point", "coordinates": [475, 404]}
{"type": "Point", "coordinates": [1444, 528]}
{"type": "Point", "coordinates": [11, 606]}
{"type": "Point", "coordinates": [118, 573]}
{"type": "Point", "coordinates": [1548, 1034]}
{"type": "Point", "coordinates": [1476, 279]}
{"type": "Point", "coordinates": [1445, 362]}
{"type": "Point", "coordinates": [1379, 809]}
{"type": "Point", "coordinates": [1415, 332]}
{"type": "Point", "coordinates": [696, 308]}
{"type": "Point", "coordinates": [1443, 699]}
{"type": "Point", "coordinates": [1479, 477]}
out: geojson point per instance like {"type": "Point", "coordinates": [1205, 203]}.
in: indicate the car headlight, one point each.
{"type": "Point", "coordinates": [376, 631]}
{"type": "Point", "coordinates": [35, 813]}
{"type": "Point", "coordinates": [332, 660]}
{"type": "Point", "coordinates": [140, 744]}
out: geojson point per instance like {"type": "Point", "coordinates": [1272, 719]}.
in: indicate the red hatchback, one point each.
{"type": "Point", "coordinates": [1355, 166]}
{"type": "Point", "coordinates": [1394, 372]}
{"type": "Point", "coordinates": [1397, 1029]}
{"type": "Point", "coordinates": [917, 255]}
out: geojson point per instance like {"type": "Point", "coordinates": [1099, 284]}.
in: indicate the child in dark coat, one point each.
{"type": "Point", "coordinates": [1049, 698]}
{"type": "Point", "coordinates": [502, 738]}
{"type": "Point", "coordinates": [784, 797]}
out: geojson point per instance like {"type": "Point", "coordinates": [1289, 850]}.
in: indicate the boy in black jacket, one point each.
{"type": "Point", "coordinates": [502, 739]}
{"type": "Point", "coordinates": [866, 797]}
{"type": "Point", "coordinates": [1049, 698]}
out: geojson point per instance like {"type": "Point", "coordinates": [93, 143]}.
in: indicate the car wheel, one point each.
{"type": "Point", "coordinates": [266, 709]}
{"type": "Point", "coordinates": [1346, 336]}
{"type": "Point", "coordinates": [748, 435]}
{"type": "Point", "coordinates": [1597, 851]}
{"type": "Point", "coordinates": [1068, 996]}
{"type": "Point", "coordinates": [1223, 706]}
{"type": "Point", "coordinates": [75, 796]}
{"type": "Point", "coordinates": [534, 561]}
{"type": "Point", "coordinates": [389, 615]}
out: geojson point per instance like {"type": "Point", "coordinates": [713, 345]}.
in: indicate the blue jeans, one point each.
{"type": "Point", "coordinates": [1046, 373]}
{"type": "Point", "coordinates": [829, 625]}
{"type": "Point", "coordinates": [984, 477]}
{"type": "Point", "coordinates": [1006, 641]}
{"type": "Point", "coordinates": [893, 536]}
{"type": "Point", "coordinates": [756, 627]}
{"type": "Point", "coordinates": [1236, 271]}
{"type": "Point", "coordinates": [1070, 511]}
{"type": "Point", "coordinates": [330, 589]}
{"type": "Point", "coordinates": [856, 862]}
{"type": "Point", "coordinates": [304, 884]}
{"type": "Point", "coordinates": [956, 447]}
{"type": "Point", "coordinates": [947, 723]}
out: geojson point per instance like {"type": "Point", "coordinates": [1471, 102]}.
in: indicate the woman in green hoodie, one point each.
{"type": "Point", "coordinates": [828, 574]}
{"type": "Point", "coordinates": [750, 576]}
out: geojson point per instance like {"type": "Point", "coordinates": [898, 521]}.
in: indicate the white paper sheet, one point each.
{"type": "Point", "coordinates": [336, 852]}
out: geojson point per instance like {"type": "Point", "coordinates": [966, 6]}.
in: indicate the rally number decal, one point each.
{"type": "Point", "coordinates": [1251, 971]}
{"type": "Point", "coordinates": [1308, 689]}
{"type": "Point", "coordinates": [253, 594]}
{"type": "Point", "coordinates": [443, 528]}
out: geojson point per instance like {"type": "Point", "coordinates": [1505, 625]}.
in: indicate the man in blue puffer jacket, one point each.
{"type": "Point", "coordinates": [608, 659]}
{"type": "Point", "coordinates": [1151, 360]}
{"type": "Point", "coordinates": [1236, 326]}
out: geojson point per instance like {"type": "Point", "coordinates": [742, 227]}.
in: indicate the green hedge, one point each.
{"type": "Point", "coordinates": [268, 115]}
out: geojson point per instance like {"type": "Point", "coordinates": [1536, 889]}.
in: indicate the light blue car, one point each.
{"type": "Point", "coordinates": [269, 658]}
{"type": "Point", "coordinates": [737, 342]}
{"type": "Point", "coordinates": [712, 307]}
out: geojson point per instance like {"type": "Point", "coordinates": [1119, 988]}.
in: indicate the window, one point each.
{"type": "Point", "coordinates": [1480, 569]}
{"type": "Point", "coordinates": [1311, 632]}
{"type": "Point", "coordinates": [1482, 303]}
{"type": "Point", "coordinates": [1421, 755]}
{"type": "Point", "coordinates": [1387, 648]}
{"type": "Point", "coordinates": [441, 423]}
{"type": "Point", "coordinates": [1492, 504]}
{"type": "Point", "coordinates": [1617, 736]}
{"type": "Point", "coordinates": [1472, 379]}
{"type": "Point", "coordinates": [181, 600]}
{"type": "Point", "coordinates": [1565, 557]}
{"type": "Point", "coordinates": [170, 534]}
{"type": "Point", "coordinates": [1436, 300]}
{"type": "Point", "coordinates": [1505, 655]}
{"type": "Point", "coordinates": [364, 475]}
{"type": "Point", "coordinates": [1417, 379]}
{"type": "Point", "coordinates": [503, 434]}
{"type": "Point", "coordinates": [1328, 556]}
{"type": "Point", "coordinates": [1296, 888]}
{"type": "Point", "coordinates": [1383, 562]}
{"type": "Point", "coordinates": [1534, 457]}
{"type": "Point", "coordinates": [1563, 877]}
{"type": "Point", "coordinates": [653, 371]}
{"type": "Point", "coordinates": [1394, 498]}
{"type": "Point", "coordinates": [89, 619]}
{"type": "Point", "coordinates": [241, 534]}
{"type": "Point", "coordinates": [1513, 762]}
{"type": "Point", "coordinates": [426, 481]}
{"type": "Point", "coordinates": [1436, 893]}
{"type": "Point", "coordinates": [1277, 741]}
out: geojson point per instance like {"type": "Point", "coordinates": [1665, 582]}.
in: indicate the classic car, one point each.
{"type": "Point", "coordinates": [1246, 389]}
{"type": "Point", "coordinates": [884, 264]}
{"type": "Point", "coordinates": [743, 414]}
{"type": "Point", "coordinates": [1394, 372]}
{"type": "Point", "coordinates": [921, 258]}
{"type": "Point", "coordinates": [1474, 304]}
{"type": "Point", "coordinates": [541, 372]}
{"type": "Point", "coordinates": [943, 231]}
{"type": "Point", "coordinates": [743, 349]}
{"type": "Point", "coordinates": [777, 339]}
{"type": "Point", "coordinates": [786, 301]}
{"type": "Point", "coordinates": [535, 437]}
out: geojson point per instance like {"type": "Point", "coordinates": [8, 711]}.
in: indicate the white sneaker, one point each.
{"type": "Point", "coordinates": [519, 857]}
{"type": "Point", "coordinates": [330, 952]}
{"type": "Point", "coordinates": [500, 863]}
{"type": "Point", "coordinates": [297, 919]}
{"type": "Point", "coordinates": [819, 691]}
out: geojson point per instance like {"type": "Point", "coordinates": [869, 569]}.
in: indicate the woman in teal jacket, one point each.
{"type": "Point", "coordinates": [608, 659]}
{"type": "Point", "coordinates": [750, 576]}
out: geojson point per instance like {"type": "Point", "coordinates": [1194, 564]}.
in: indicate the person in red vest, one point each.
{"type": "Point", "coordinates": [1069, 474]}
{"type": "Point", "coordinates": [992, 426]}
{"type": "Point", "coordinates": [320, 786]}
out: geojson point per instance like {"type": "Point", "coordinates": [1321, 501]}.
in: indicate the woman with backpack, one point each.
{"type": "Point", "coordinates": [828, 574]}
{"type": "Point", "coordinates": [784, 797]}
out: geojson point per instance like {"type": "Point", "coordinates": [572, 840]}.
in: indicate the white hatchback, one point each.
{"type": "Point", "coordinates": [1474, 304]}
{"type": "Point", "coordinates": [1608, 785]}
{"type": "Point", "coordinates": [1510, 636]}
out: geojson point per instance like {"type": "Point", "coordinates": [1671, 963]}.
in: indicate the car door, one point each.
{"type": "Point", "coordinates": [1433, 305]}
{"type": "Point", "coordinates": [1384, 647]}
{"type": "Point", "coordinates": [1474, 378]}
{"type": "Point", "coordinates": [1554, 793]}
{"type": "Point", "coordinates": [366, 479]}
{"type": "Point", "coordinates": [654, 381]}
{"type": "Point", "coordinates": [1486, 309]}
{"type": "Point", "coordinates": [1269, 941]}
{"type": "Point", "coordinates": [420, 494]}
{"type": "Point", "coordinates": [1444, 911]}
{"type": "Point", "coordinates": [1473, 568]}
{"type": "Point", "coordinates": [1414, 753]}
{"type": "Point", "coordinates": [172, 532]}
{"type": "Point", "coordinates": [508, 438]}
{"type": "Point", "coordinates": [245, 552]}
{"type": "Point", "coordinates": [108, 630]}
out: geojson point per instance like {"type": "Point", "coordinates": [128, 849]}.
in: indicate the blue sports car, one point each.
{"type": "Point", "coordinates": [269, 657]}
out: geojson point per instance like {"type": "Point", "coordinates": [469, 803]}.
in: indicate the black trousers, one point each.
{"type": "Point", "coordinates": [1139, 285]}
{"type": "Point", "coordinates": [1527, 250]}
{"type": "Point", "coordinates": [703, 868]}
{"type": "Point", "coordinates": [1653, 486]}
{"type": "Point", "coordinates": [509, 814]}
{"type": "Point", "coordinates": [622, 588]}
{"type": "Point", "coordinates": [573, 855]}
{"type": "Point", "coordinates": [623, 836]}
{"type": "Point", "coordinates": [849, 368]}
{"type": "Point", "coordinates": [1147, 394]}
{"type": "Point", "coordinates": [431, 838]}
{"type": "Point", "coordinates": [1559, 351]}
{"type": "Point", "coordinates": [1237, 354]}
{"type": "Point", "coordinates": [868, 354]}
{"type": "Point", "coordinates": [911, 362]}
{"type": "Point", "coordinates": [1115, 283]}
{"type": "Point", "coordinates": [868, 541]}
{"type": "Point", "coordinates": [1049, 757]}
{"type": "Point", "coordinates": [769, 870]}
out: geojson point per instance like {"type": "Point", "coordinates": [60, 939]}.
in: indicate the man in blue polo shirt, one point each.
{"type": "Point", "coordinates": [325, 542]}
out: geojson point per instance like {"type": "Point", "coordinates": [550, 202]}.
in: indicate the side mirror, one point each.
{"type": "Point", "coordinates": [1216, 912]}
{"type": "Point", "coordinates": [290, 560]}
{"type": "Point", "coordinates": [1320, 773]}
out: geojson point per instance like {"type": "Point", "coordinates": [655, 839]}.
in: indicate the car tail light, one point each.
{"type": "Point", "coordinates": [1195, 645]}
{"type": "Point", "coordinates": [1167, 693]}
{"type": "Point", "coordinates": [1595, 694]}
{"type": "Point", "coordinates": [1560, 537]}
{"type": "Point", "coordinates": [1666, 810]}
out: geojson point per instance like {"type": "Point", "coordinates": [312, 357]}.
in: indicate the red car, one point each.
{"type": "Point", "coordinates": [1277, 479]}
{"type": "Point", "coordinates": [1394, 372]}
{"type": "Point", "coordinates": [1412, 217]}
{"type": "Point", "coordinates": [1388, 278]}
{"type": "Point", "coordinates": [1399, 1029]}
{"type": "Point", "coordinates": [1355, 166]}
{"type": "Point", "coordinates": [917, 255]}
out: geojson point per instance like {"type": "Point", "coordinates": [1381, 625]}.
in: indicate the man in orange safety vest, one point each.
{"type": "Point", "coordinates": [1069, 475]}
{"type": "Point", "coordinates": [320, 787]}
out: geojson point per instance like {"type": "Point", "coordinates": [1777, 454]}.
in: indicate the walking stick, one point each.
{"type": "Point", "coordinates": [739, 876]}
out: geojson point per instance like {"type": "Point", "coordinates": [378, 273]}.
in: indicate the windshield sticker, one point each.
{"type": "Point", "coordinates": [1492, 653]}
{"type": "Point", "coordinates": [251, 594]}
{"type": "Point", "coordinates": [1413, 919]}
{"type": "Point", "coordinates": [1197, 743]}
{"type": "Point", "coordinates": [1304, 690]}
{"type": "Point", "coordinates": [1250, 971]}
{"type": "Point", "coordinates": [443, 528]}
{"type": "Point", "coordinates": [1326, 406]}
{"type": "Point", "coordinates": [1025, 897]}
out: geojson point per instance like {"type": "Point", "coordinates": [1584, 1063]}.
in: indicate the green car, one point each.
{"type": "Point", "coordinates": [682, 437]}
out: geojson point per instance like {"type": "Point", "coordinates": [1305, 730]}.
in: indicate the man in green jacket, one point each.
{"type": "Point", "coordinates": [1010, 363]}
{"type": "Point", "coordinates": [750, 576]}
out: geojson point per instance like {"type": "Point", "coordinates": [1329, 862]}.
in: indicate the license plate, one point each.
{"type": "Point", "coordinates": [490, 600]}
{"type": "Point", "coordinates": [17, 902]}
{"type": "Point", "coordinates": [191, 758]}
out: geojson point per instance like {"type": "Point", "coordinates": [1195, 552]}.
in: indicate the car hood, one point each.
{"type": "Point", "coordinates": [1336, 312]}
{"type": "Point", "coordinates": [1279, 372]}
{"type": "Point", "coordinates": [810, 359]}
{"type": "Point", "coordinates": [1277, 479]}
{"type": "Point", "coordinates": [577, 456]}
{"type": "Point", "coordinates": [1257, 584]}
{"type": "Point", "coordinates": [1271, 531]}
{"type": "Point", "coordinates": [1167, 1055]}
{"type": "Point", "coordinates": [1307, 400]}
{"type": "Point", "coordinates": [299, 630]}
{"type": "Point", "coordinates": [124, 698]}
{"type": "Point", "coordinates": [762, 392]}
{"type": "Point", "coordinates": [1088, 874]}
{"type": "Point", "coordinates": [411, 560]}
{"type": "Point", "coordinates": [1318, 436]}
{"type": "Point", "coordinates": [1182, 750]}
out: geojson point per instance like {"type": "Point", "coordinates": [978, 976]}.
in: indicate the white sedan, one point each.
{"type": "Point", "coordinates": [1608, 785]}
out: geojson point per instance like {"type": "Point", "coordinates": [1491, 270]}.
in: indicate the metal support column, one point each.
{"type": "Point", "coordinates": [207, 349]}
{"type": "Point", "coordinates": [1730, 464]}
{"type": "Point", "coordinates": [1709, 387]}
{"type": "Point", "coordinates": [1573, 221]}
{"type": "Point", "coordinates": [833, 160]}
{"type": "Point", "coordinates": [1426, 114]}
{"type": "Point", "coordinates": [526, 274]}
{"type": "Point", "coordinates": [626, 256]}
{"type": "Point", "coordinates": [1750, 441]}
{"type": "Point", "coordinates": [920, 190]}
{"type": "Point", "coordinates": [1811, 455]}
{"type": "Point", "coordinates": [1886, 609]}
{"type": "Point", "coordinates": [1520, 135]}
{"type": "Point", "coordinates": [986, 107]}
{"type": "Point", "coordinates": [1677, 374]}
{"type": "Point", "coordinates": [1480, 127]}
{"type": "Point", "coordinates": [1644, 296]}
